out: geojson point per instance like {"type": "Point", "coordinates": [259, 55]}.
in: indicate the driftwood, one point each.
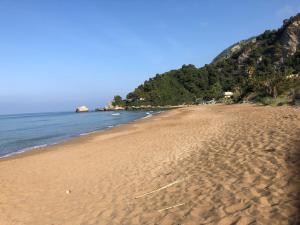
{"type": "Point", "coordinates": [161, 188]}
{"type": "Point", "coordinates": [171, 207]}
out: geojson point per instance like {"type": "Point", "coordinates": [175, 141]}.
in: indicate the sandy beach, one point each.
{"type": "Point", "coordinates": [214, 164]}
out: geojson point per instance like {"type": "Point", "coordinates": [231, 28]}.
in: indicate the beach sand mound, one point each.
{"type": "Point", "coordinates": [215, 164]}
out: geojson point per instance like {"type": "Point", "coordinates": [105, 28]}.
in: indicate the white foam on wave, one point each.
{"type": "Point", "coordinates": [26, 149]}
{"type": "Point", "coordinates": [148, 116]}
{"type": "Point", "coordinates": [87, 133]}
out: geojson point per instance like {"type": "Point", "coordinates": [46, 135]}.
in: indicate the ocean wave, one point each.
{"type": "Point", "coordinates": [148, 116]}
{"type": "Point", "coordinates": [87, 133]}
{"type": "Point", "coordinates": [25, 150]}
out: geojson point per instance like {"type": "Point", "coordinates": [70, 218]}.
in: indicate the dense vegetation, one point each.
{"type": "Point", "coordinates": [264, 68]}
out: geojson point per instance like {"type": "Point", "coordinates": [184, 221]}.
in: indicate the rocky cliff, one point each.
{"type": "Point", "coordinates": [290, 37]}
{"type": "Point", "coordinates": [281, 44]}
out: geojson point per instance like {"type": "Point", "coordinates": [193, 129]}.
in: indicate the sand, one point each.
{"type": "Point", "coordinates": [215, 164]}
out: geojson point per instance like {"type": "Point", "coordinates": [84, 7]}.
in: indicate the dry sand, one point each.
{"type": "Point", "coordinates": [199, 165]}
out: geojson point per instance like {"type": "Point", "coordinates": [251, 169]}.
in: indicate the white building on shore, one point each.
{"type": "Point", "coordinates": [228, 94]}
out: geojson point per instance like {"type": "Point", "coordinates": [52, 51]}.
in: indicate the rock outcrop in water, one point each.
{"type": "Point", "coordinates": [82, 109]}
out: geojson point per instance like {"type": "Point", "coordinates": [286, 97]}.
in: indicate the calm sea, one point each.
{"type": "Point", "coordinates": [22, 132]}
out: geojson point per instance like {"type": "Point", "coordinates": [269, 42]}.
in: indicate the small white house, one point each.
{"type": "Point", "coordinates": [228, 94]}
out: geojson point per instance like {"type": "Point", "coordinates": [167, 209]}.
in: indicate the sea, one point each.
{"type": "Point", "coordinates": [24, 132]}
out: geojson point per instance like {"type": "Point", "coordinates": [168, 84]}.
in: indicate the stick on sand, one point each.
{"type": "Point", "coordinates": [161, 188]}
{"type": "Point", "coordinates": [171, 207]}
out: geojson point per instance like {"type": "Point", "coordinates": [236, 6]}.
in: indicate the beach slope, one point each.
{"type": "Point", "coordinates": [215, 164]}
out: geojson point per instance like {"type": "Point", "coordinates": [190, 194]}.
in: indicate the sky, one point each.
{"type": "Point", "coordinates": [56, 55]}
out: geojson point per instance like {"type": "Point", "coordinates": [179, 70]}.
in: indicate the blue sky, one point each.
{"type": "Point", "coordinates": [56, 55]}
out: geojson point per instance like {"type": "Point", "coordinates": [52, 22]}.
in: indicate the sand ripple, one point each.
{"type": "Point", "coordinates": [199, 165]}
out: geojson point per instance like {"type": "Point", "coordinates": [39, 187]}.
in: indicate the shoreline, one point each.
{"type": "Point", "coordinates": [214, 164]}
{"type": "Point", "coordinates": [81, 137]}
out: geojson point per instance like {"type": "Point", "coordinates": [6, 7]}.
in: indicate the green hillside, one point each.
{"type": "Point", "coordinates": [264, 68]}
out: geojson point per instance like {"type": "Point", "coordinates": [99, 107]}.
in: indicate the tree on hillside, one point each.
{"type": "Point", "coordinates": [271, 80]}
{"type": "Point", "coordinates": [118, 101]}
{"type": "Point", "coordinates": [215, 91]}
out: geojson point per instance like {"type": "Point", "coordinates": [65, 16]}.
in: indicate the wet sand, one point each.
{"type": "Point", "coordinates": [217, 164]}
